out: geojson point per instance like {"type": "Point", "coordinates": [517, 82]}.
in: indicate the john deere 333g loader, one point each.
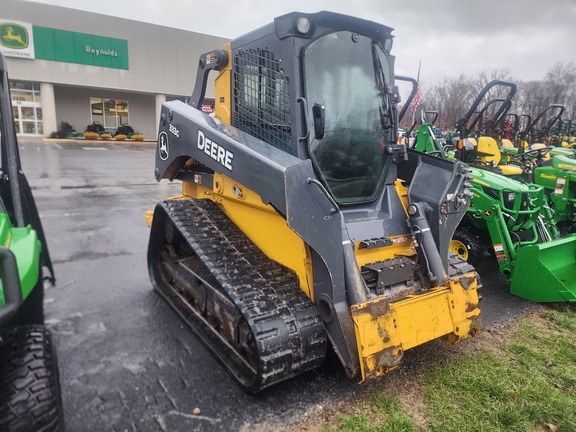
{"type": "Point", "coordinates": [301, 221]}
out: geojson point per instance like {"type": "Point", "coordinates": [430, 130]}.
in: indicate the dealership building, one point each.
{"type": "Point", "coordinates": [80, 68]}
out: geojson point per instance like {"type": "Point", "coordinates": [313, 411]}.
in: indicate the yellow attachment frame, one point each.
{"type": "Point", "coordinates": [384, 330]}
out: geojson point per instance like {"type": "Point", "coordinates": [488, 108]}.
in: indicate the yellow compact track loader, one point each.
{"type": "Point", "coordinates": [302, 221]}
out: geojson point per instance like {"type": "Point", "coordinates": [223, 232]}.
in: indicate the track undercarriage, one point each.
{"type": "Point", "coordinates": [247, 309]}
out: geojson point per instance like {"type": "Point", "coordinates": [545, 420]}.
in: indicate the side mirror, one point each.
{"type": "Point", "coordinates": [396, 98]}
{"type": "Point", "coordinates": [319, 120]}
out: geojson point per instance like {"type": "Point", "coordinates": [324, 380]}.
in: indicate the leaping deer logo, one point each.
{"type": "Point", "coordinates": [18, 39]}
{"type": "Point", "coordinates": [163, 145]}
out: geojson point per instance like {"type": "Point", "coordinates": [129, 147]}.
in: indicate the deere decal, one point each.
{"type": "Point", "coordinates": [16, 39]}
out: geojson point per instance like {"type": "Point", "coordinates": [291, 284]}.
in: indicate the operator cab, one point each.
{"type": "Point", "coordinates": [340, 72]}
{"type": "Point", "coordinates": [351, 114]}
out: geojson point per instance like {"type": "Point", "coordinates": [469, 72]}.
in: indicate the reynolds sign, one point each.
{"type": "Point", "coordinates": [97, 52]}
{"type": "Point", "coordinates": [73, 47]}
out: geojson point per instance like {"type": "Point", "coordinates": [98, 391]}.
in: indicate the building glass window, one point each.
{"type": "Point", "coordinates": [26, 107]}
{"type": "Point", "coordinates": [110, 113]}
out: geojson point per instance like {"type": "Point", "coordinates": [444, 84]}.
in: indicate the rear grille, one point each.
{"type": "Point", "coordinates": [262, 98]}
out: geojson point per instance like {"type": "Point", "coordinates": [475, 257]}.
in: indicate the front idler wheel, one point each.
{"type": "Point", "coordinates": [467, 246]}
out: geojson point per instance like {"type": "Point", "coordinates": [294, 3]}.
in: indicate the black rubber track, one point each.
{"type": "Point", "coordinates": [211, 261]}
{"type": "Point", "coordinates": [457, 267]}
{"type": "Point", "coordinates": [30, 399]}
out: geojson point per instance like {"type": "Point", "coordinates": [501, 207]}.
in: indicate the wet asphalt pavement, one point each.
{"type": "Point", "coordinates": [127, 362]}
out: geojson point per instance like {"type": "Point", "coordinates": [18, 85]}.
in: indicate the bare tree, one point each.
{"type": "Point", "coordinates": [561, 83]}
{"type": "Point", "coordinates": [453, 96]}
{"type": "Point", "coordinates": [533, 97]}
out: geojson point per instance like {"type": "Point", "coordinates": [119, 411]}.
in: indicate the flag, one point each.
{"type": "Point", "coordinates": [417, 95]}
{"type": "Point", "coordinates": [416, 98]}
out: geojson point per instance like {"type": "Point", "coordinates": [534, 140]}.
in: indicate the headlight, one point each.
{"type": "Point", "coordinates": [388, 43]}
{"type": "Point", "coordinates": [303, 25]}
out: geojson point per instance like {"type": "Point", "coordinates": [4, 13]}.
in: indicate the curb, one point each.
{"type": "Point", "coordinates": [36, 140]}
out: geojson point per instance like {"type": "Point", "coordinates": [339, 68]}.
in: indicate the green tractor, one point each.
{"type": "Point", "coordinates": [30, 397]}
{"type": "Point", "coordinates": [550, 132]}
{"type": "Point", "coordinates": [507, 217]}
{"type": "Point", "coordinates": [555, 171]}
{"type": "Point", "coordinates": [523, 143]}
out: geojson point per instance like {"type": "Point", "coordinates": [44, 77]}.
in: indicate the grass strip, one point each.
{"type": "Point", "coordinates": [526, 384]}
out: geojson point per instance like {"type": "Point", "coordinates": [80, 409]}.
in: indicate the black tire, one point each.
{"type": "Point", "coordinates": [474, 247]}
{"type": "Point", "coordinates": [30, 399]}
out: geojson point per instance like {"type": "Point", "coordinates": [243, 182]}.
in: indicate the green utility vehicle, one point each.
{"type": "Point", "coordinates": [29, 384]}
{"type": "Point", "coordinates": [509, 217]}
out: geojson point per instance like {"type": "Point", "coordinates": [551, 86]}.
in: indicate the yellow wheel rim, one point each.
{"type": "Point", "coordinates": [459, 248]}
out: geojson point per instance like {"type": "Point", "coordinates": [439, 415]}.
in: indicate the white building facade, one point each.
{"type": "Point", "coordinates": [78, 67]}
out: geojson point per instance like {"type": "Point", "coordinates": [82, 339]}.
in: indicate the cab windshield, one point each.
{"type": "Point", "coordinates": [347, 74]}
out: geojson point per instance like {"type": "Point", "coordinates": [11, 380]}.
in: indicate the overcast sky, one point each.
{"type": "Point", "coordinates": [525, 37]}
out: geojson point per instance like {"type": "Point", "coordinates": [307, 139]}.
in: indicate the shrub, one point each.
{"type": "Point", "coordinates": [95, 127]}
{"type": "Point", "coordinates": [106, 136]}
{"type": "Point", "coordinates": [65, 130]}
{"type": "Point", "coordinates": [124, 130]}
{"type": "Point", "coordinates": [91, 135]}
{"type": "Point", "coordinates": [120, 137]}
{"type": "Point", "coordinates": [137, 137]}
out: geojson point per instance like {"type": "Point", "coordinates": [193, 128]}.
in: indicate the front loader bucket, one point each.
{"type": "Point", "coordinates": [546, 272]}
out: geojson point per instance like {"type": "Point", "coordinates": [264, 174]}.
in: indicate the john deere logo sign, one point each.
{"type": "Point", "coordinates": [16, 39]}
{"type": "Point", "coordinates": [14, 36]}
